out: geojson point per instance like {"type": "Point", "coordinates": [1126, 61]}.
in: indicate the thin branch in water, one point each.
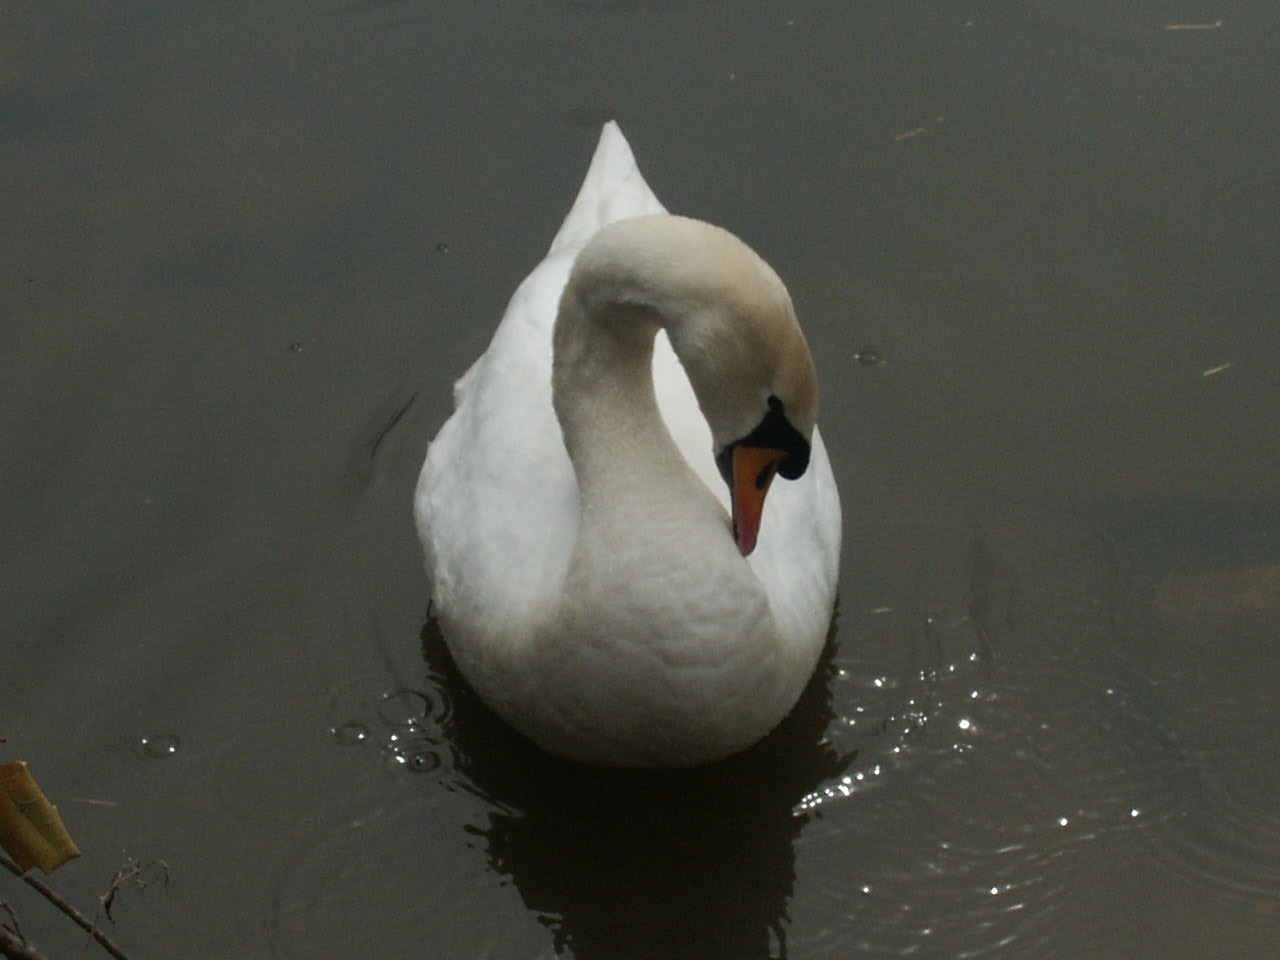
{"type": "Point", "coordinates": [11, 924]}
{"type": "Point", "coordinates": [132, 871]}
{"type": "Point", "coordinates": [53, 897]}
{"type": "Point", "coordinates": [15, 947]}
{"type": "Point", "coordinates": [13, 942]}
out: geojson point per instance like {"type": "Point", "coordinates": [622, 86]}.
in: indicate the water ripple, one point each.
{"type": "Point", "coordinates": [407, 726]}
{"type": "Point", "coordinates": [1008, 767]}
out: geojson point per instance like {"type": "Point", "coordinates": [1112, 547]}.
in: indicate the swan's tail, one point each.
{"type": "Point", "coordinates": [613, 189]}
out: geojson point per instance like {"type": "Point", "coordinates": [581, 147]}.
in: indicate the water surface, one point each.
{"type": "Point", "coordinates": [247, 248]}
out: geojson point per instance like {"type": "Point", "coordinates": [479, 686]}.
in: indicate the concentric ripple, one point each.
{"type": "Point", "coordinates": [1011, 769]}
{"type": "Point", "coordinates": [1226, 831]}
{"type": "Point", "coordinates": [407, 726]}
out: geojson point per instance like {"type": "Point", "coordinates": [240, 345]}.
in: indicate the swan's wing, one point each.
{"type": "Point", "coordinates": [497, 502]}
{"type": "Point", "coordinates": [797, 557]}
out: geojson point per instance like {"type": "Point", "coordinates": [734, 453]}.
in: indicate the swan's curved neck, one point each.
{"type": "Point", "coordinates": [730, 322]}
{"type": "Point", "coordinates": [654, 551]}
{"type": "Point", "coordinates": [604, 398]}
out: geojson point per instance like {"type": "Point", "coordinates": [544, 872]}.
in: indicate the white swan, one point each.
{"type": "Point", "coordinates": [587, 576]}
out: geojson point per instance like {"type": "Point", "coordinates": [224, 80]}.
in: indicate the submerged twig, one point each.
{"type": "Point", "coordinates": [53, 897]}
{"type": "Point", "coordinates": [11, 924]}
{"type": "Point", "coordinates": [133, 870]}
{"type": "Point", "coordinates": [16, 947]}
{"type": "Point", "coordinates": [13, 942]}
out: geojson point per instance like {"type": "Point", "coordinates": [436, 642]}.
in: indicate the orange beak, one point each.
{"type": "Point", "coordinates": [751, 470]}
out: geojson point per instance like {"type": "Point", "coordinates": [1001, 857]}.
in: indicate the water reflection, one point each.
{"type": "Point", "coordinates": [993, 754]}
{"type": "Point", "coordinates": [993, 761]}
{"type": "Point", "coordinates": [695, 863]}
{"type": "Point", "coordinates": [1209, 619]}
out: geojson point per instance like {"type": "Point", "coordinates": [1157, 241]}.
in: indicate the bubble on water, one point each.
{"type": "Point", "coordinates": [404, 708]}
{"type": "Point", "coordinates": [351, 733]}
{"type": "Point", "coordinates": [157, 746]}
{"type": "Point", "coordinates": [423, 762]}
{"type": "Point", "coordinates": [404, 725]}
{"type": "Point", "coordinates": [868, 357]}
{"type": "Point", "coordinates": [412, 761]}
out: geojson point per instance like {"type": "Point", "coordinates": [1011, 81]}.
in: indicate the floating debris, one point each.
{"type": "Point", "coordinates": [916, 131]}
{"type": "Point", "coordinates": [31, 831]}
{"type": "Point", "coordinates": [1216, 25]}
{"type": "Point", "coordinates": [137, 874]}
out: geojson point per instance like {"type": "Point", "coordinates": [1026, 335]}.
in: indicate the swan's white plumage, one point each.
{"type": "Point", "coordinates": [498, 511]}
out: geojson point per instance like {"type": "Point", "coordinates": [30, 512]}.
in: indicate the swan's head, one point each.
{"type": "Point", "coordinates": [731, 322]}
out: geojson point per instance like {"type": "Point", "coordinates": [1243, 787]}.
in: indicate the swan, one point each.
{"type": "Point", "coordinates": [604, 568]}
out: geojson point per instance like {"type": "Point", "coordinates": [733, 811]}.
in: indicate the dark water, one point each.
{"type": "Point", "coordinates": [248, 246]}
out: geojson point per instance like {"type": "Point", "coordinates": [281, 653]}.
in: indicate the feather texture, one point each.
{"type": "Point", "coordinates": [599, 603]}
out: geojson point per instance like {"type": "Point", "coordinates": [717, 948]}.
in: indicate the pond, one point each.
{"type": "Point", "coordinates": [249, 246]}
